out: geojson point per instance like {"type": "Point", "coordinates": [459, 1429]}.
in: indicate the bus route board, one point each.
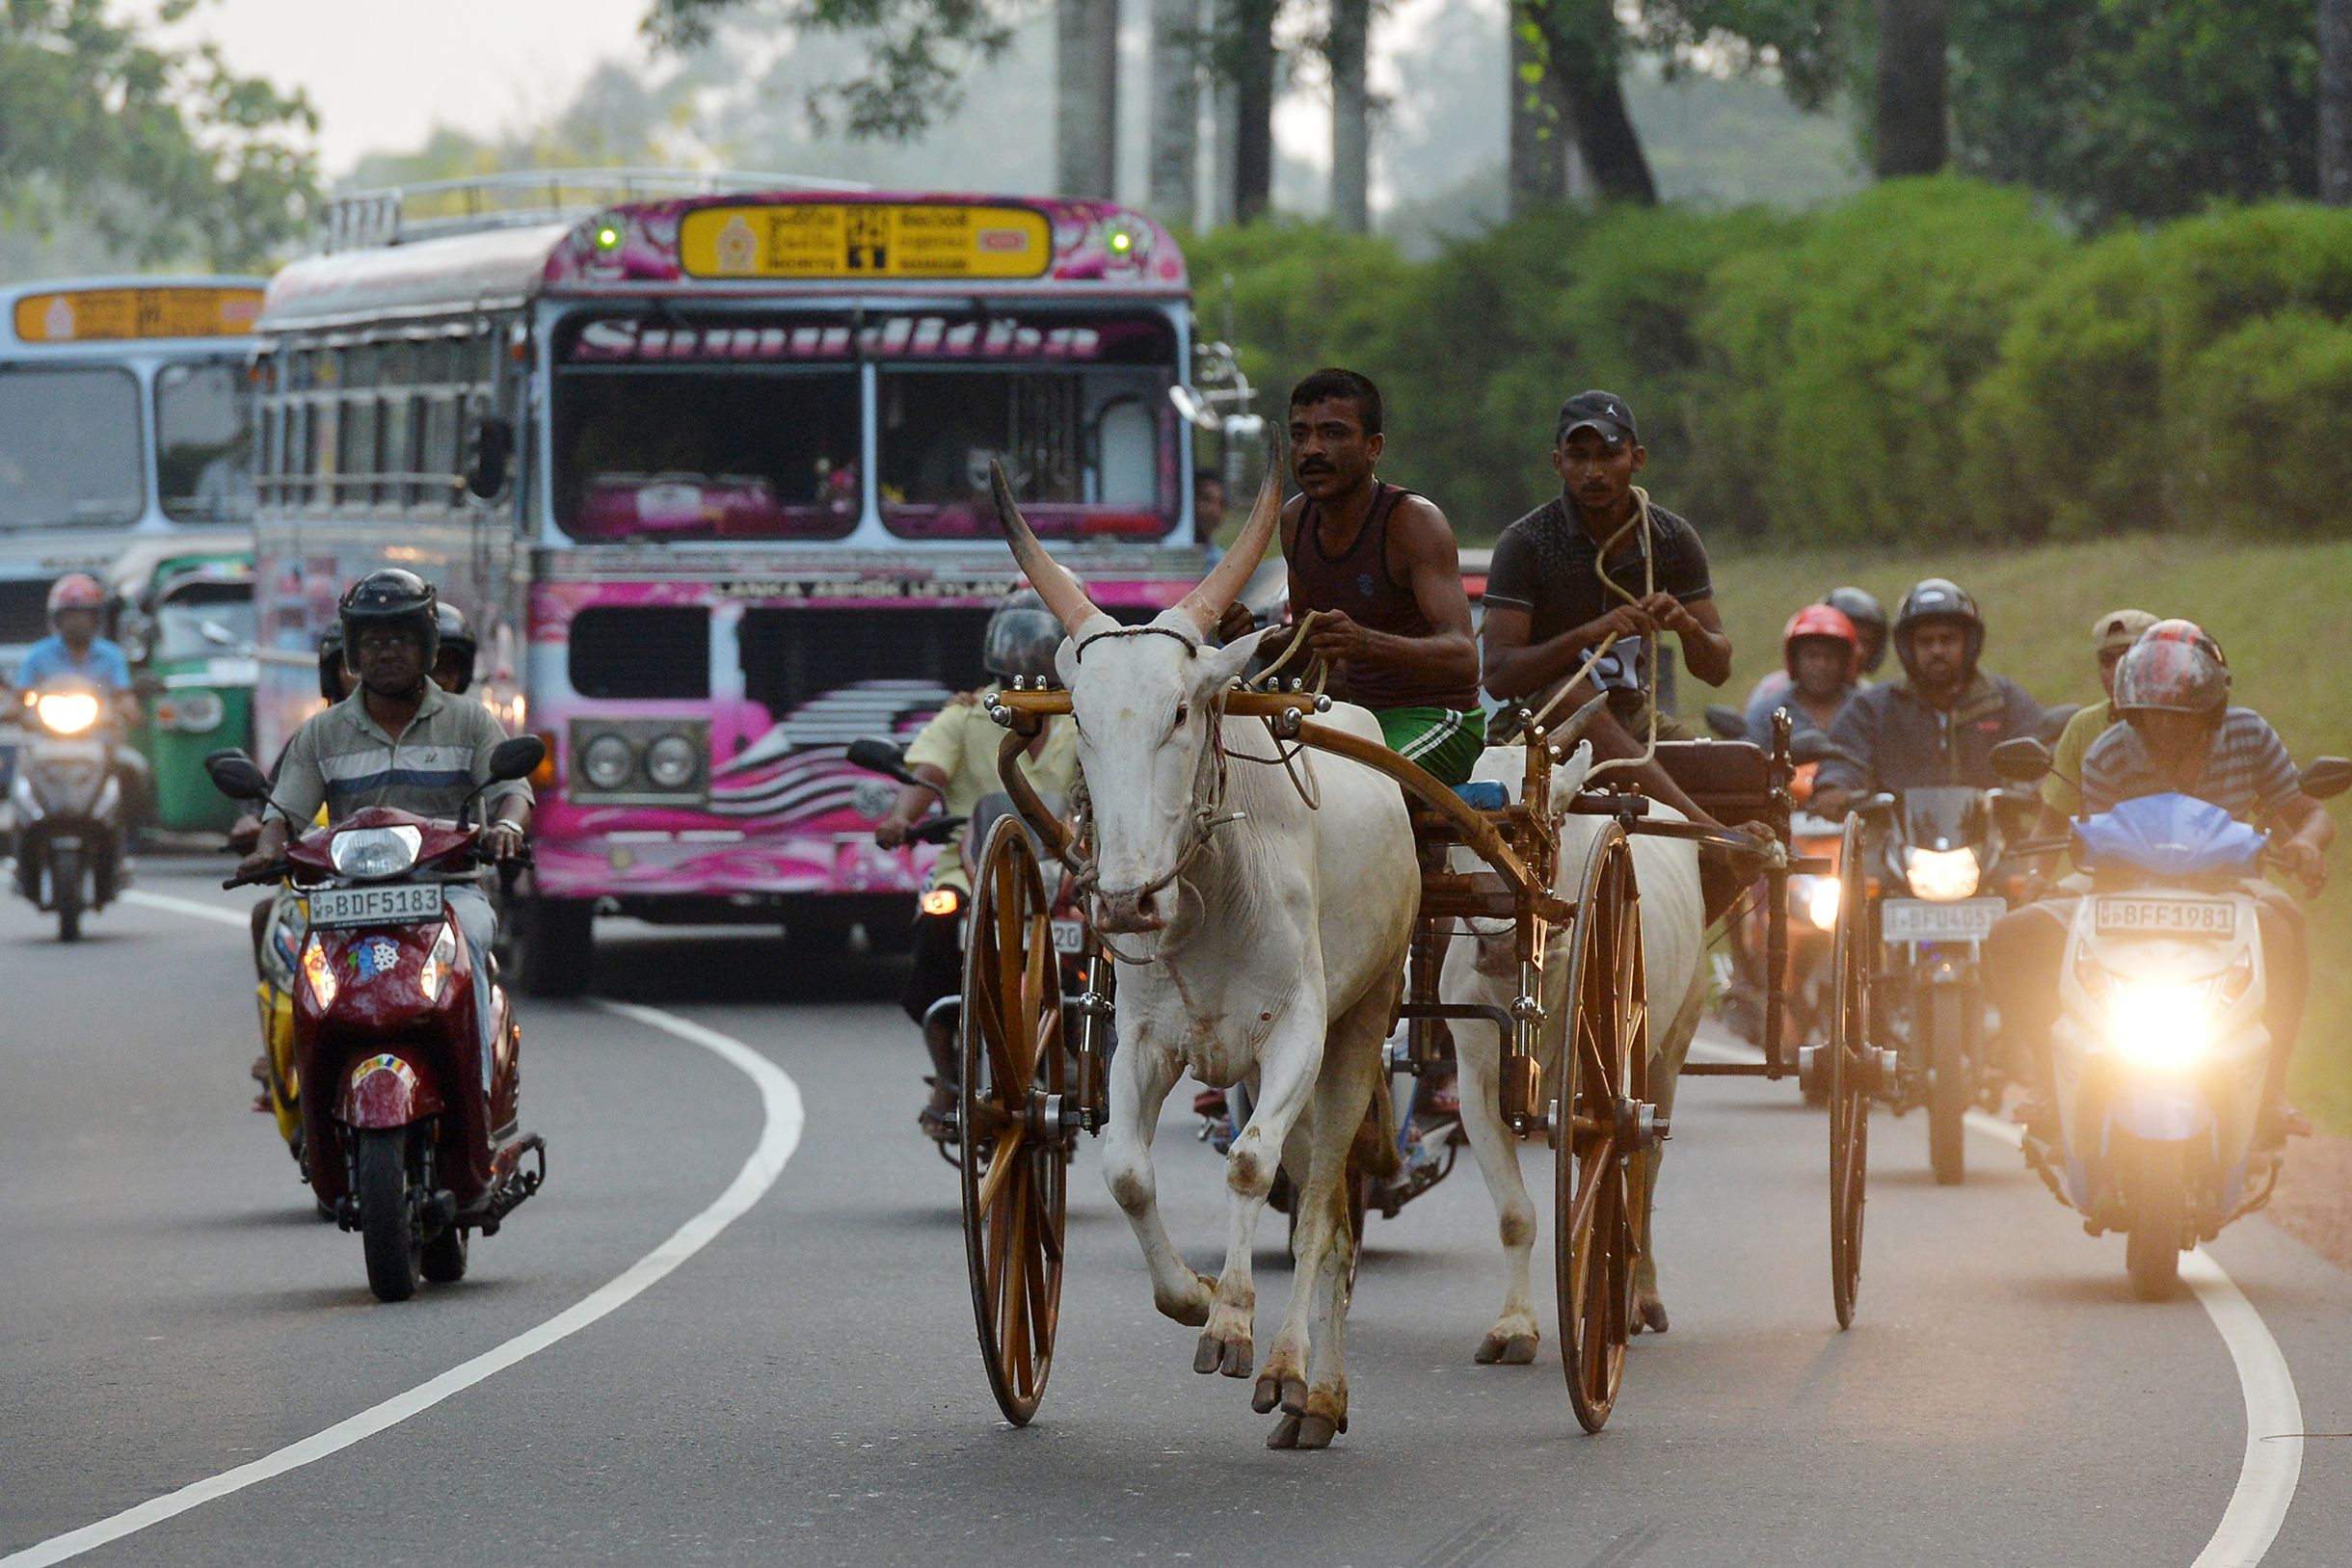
{"type": "Point", "coordinates": [850, 240]}
{"type": "Point", "coordinates": [90, 315]}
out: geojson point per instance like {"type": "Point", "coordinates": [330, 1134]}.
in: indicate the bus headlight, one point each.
{"type": "Point", "coordinates": [1941, 876]}
{"type": "Point", "coordinates": [607, 762]}
{"type": "Point", "coordinates": [2161, 1026]}
{"type": "Point", "coordinates": [670, 763]}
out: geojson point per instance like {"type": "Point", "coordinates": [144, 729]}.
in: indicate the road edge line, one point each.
{"type": "Point", "coordinates": [779, 1138]}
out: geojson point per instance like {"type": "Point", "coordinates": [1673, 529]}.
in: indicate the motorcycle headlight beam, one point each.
{"type": "Point", "coordinates": [1821, 901]}
{"type": "Point", "coordinates": [66, 712]}
{"type": "Point", "coordinates": [1941, 876]}
{"type": "Point", "coordinates": [2161, 1026]}
{"type": "Point", "coordinates": [368, 853]}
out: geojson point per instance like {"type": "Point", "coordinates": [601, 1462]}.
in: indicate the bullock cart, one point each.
{"type": "Point", "coordinates": [1033, 1062]}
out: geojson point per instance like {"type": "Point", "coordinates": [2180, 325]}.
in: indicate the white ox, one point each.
{"type": "Point", "coordinates": [1674, 942]}
{"type": "Point", "coordinates": [1276, 945]}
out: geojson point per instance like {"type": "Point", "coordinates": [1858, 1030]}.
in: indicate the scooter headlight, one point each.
{"type": "Point", "coordinates": [434, 977]}
{"type": "Point", "coordinates": [66, 712]}
{"type": "Point", "coordinates": [368, 853]}
{"type": "Point", "coordinates": [942, 901]}
{"type": "Point", "coordinates": [2161, 1026]}
{"type": "Point", "coordinates": [1941, 876]}
{"type": "Point", "coordinates": [318, 973]}
{"type": "Point", "coordinates": [1821, 902]}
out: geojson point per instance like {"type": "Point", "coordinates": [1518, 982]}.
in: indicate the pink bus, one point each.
{"type": "Point", "coordinates": [707, 471]}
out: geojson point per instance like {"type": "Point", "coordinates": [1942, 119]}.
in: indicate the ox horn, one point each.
{"type": "Point", "coordinates": [1057, 587]}
{"type": "Point", "coordinates": [1205, 605]}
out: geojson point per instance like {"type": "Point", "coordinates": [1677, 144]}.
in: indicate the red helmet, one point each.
{"type": "Point", "coordinates": [2174, 668]}
{"type": "Point", "coordinates": [76, 590]}
{"type": "Point", "coordinates": [1821, 620]}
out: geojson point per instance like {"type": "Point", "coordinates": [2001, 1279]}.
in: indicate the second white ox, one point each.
{"type": "Point", "coordinates": [1674, 944]}
{"type": "Point", "coordinates": [1273, 935]}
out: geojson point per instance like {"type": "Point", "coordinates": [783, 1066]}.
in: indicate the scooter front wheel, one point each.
{"type": "Point", "coordinates": [66, 890]}
{"type": "Point", "coordinates": [2158, 1206]}
{"type": "Point", "coordinates": [388, 1221]}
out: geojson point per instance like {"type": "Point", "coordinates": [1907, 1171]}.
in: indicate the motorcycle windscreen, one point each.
{"type": "Point", "coordinates": [2169, 836]}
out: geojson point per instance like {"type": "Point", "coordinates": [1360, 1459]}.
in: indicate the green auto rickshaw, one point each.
{"type": "Point", "coordinates": [184, 615]}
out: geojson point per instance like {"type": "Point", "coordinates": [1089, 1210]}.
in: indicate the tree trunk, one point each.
{"type": "Point", "coordinates": [1252, 24]}
{"type": "Point", "coordinates": [1175, 111]}
{"type": "Point", "coordinates": [2335, 102]}
{"type": "Point", "coordinates": [1912, 37]}
{"type": "Point", "coordinates": [1349, 53]}
{"type": "Point", "coordinates": [1585, 44]}
{"type": "Point", "coordinates": [1537, 171]}
{"type": "Point", "coordinates": [1087, 90]}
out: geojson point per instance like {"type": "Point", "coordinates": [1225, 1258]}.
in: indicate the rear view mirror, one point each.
{"type": "Point", "coordinates": [236, 775]}
{"type": "Point", "coordinates": [2022, 760]}
{"type": "Point", "coordinates": [488, 454]}
{"type": "Point", "coordinates": [2328, 778]}
{"type": "Point", "coordinates": [877, 756]}
{"type": "Point", "coordinates": [1725, 723]}
{"type": "Point", "coordinates": [1812, 746]}
{"type": "Point", "coordinates": [517, 759]}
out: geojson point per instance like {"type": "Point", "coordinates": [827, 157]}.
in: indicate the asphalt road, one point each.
{"type": "Point", "coordinates": [804, 1389]}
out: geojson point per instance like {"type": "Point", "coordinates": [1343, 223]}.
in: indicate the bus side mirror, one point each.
{"type": "Point", "coordinates": [489, 454]}
{"type": "Point", "coordinates": [2327, 777]}
{"type": "Point", "coordinates": [2022, 760]}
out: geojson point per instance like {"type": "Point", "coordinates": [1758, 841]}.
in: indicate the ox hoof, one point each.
{"type": "Point", "coordinates": [1285, 1434]}
{"type": "Point", "coordinates": [1191, 1311]}
{"type": "Point", "coordinates": [1233, 1357]}
{"type": "Point", "coordinates": [1648, 1313]}
{"type": "Point", "coordinates": [1501, 1349]}
{"type": "Point", "coordinates": [1314, 1432]}
{"type": "Point", "coordinates": [1285, 1388]}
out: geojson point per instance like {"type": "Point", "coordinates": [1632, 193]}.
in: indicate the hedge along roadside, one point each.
{"type": "Point", "coordinates": [1929, 359]}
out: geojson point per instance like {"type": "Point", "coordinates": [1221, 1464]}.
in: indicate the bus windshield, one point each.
{"type": "Point", "coordinates": [69, 448]}
{"type": "Point", "coordinates": [203, 441]}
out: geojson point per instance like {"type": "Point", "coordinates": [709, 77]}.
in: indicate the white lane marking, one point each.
{"type": "Point", "coordinates": [185, 906]}
{"type": "Point", "coordinates": [781, 1099]}
{"type": "Point", "coordinates": [2273, 1463]}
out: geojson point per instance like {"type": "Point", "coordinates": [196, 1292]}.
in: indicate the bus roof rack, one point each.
{"type": "Point", "coordinates": [403, 214]}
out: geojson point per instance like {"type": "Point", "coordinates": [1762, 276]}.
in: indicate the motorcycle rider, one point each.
{"type": "Point", "coordinates": [1939, 723]}
{"type": "Point", "coordinates": [957, 752]}
{"type": "Point", "coordinates": [1821, 652]}
{"type": "Point", "coordinates": [2111, 637]}
{"type": "Point", "coordinates": [399, 740]}
{"type": "Point", "coordinates": [74, 651]}
{"type": "Point", "coordinates": [1869, 619]}
{"type": "Point", "coordinates": [453, 663]}
{"type": "Point", "coordinates": [2180, 734]}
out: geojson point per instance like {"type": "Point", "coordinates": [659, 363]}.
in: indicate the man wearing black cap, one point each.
{"type": "Point", "coordinates": [1599, 561]}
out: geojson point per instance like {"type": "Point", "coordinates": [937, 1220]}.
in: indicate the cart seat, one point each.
{"type": "Point", "coordinates": [1733, 780]}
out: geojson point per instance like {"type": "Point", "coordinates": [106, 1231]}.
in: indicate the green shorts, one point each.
{"type": "Point", "coordinates": [1445, 743]}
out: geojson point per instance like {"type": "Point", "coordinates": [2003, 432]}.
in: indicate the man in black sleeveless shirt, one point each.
{"type": "Point", "coordinates": [1548, 608]}
{"type": "Point", "coordinates": [1378, 567]}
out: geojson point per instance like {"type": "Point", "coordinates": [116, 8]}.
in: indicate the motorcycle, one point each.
{"type": "Point", "coordinates": [409, 1129]}
{"type": "Point", "coordinates": [2160, 1055]}
{"type": "Point", "coordinates": [68, 805]}
{"type": "Point", "coordinates": [1939, 886]}
{"type": "Point", "coordinates": [280, 958]}
{"type": "Point", "coordinates": [943, 1019]}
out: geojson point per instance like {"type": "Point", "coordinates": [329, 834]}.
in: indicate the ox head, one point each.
{"type": "Point", "coordinates": [1143, 701]}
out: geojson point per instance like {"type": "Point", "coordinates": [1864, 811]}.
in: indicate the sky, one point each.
{"type": "Point", "coordinates": [382, 76]}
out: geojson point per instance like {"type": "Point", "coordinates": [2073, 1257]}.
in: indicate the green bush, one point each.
{"type": "Point", "coordinates": [2262, 414]}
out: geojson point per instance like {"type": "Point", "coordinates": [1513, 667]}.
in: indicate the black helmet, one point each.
{"type": "Point", "coordinates": [391, 597]}
{"type": "Point", "coordinates": [1862, 608]}
{"type": "Point", "coordinates": [330, 666]}
{"type": "Point", "coordinates": [1937, 599]}
{"type": "Point", "coordinates": [457, 638]}
{"type": "Point", "coordinates": [1023, 635]}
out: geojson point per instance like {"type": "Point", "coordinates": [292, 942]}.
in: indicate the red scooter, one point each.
{"type": "Point", "coordinates": [386, 1044]}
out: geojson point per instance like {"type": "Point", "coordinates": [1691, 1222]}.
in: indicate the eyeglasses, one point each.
{"type": "Point", "coordinates": [384, 642]}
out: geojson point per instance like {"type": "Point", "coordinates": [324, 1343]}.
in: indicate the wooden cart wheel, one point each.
{"type": "Point", "coordinates": [1598, 1137]}
{"type": "Point", "coordinates": [1851, 1075]}
{"type": "Point", "coordinates": [1015, 1158]}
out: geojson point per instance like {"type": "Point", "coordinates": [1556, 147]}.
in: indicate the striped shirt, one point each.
{"type": "Point", "coordinates": [2247, 772]}
{"type": "Point", "coordinates": [345, 760]}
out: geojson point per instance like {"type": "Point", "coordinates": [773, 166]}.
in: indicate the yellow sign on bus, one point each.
{"type": "Point", "coordinates": [865, 240]}
{"type": "Point", "coordinates": [89, 315]}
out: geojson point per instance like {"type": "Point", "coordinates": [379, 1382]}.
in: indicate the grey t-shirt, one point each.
{"type": "Point", "coordinates": [345, 760]}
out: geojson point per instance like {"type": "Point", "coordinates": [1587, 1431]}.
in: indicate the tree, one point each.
{"type": "Point", "coordinates": [1244, 54]}
{"type": "Point", "coordinates": [1175, 120]}
{"type": "Point", "coordinates": [1911, 108]}
{"type": "Point", "coordinates": [1579, 48]}
{"type": "Point", "coordinates": [1086, 94]}
{"type": "Point", "coordinates": [1349, 49]}
{"type": "Point", "coordinates": [2335, 102]}
{"type": "Point", "coordinates": [166, 154]}
{"type": "Point", "coordinates": [1536, 169]}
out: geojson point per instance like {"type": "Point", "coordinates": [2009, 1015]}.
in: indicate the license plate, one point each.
{"type": "Point", "coordinates": [2126, 917]}
{"type": "Point", "coordinates": [1917, 919]}
{"type": "Point", "coordinates": [1069, 936]}
{"type": "Point", "coordinates": [409, 903]}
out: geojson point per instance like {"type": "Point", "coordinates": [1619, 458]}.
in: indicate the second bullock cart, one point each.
{"type": "Point", "coordinates": [1034, 1057]}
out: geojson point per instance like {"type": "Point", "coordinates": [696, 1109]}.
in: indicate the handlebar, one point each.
{"type": "Point", "coordinates": [272, 872]}
{"type": "Point", "coordinates": [937, 829]}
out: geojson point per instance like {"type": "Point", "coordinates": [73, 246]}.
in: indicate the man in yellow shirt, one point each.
{"type": "Point", "coordinates": [956, 754]}
{"type": "Point", "coordinates": [2111, 637]}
